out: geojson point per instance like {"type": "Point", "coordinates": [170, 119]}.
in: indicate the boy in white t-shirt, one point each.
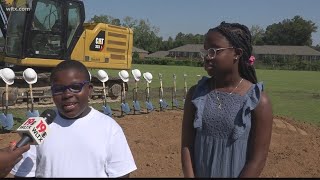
{"type": "Point", "coordinates": [82, 142]}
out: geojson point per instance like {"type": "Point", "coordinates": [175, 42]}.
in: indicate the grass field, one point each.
{"type": "Point", "coordinates": [294, 94]}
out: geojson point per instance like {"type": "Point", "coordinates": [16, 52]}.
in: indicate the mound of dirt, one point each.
{"type": "Point", "coordinates": [154, 139]}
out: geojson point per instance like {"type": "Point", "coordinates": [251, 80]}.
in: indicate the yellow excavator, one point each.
{"type": "Point", "coordinates": [41, 33]}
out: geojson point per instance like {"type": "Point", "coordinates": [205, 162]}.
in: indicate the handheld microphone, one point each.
{"type": "Point", "coordinates": [35, 129]}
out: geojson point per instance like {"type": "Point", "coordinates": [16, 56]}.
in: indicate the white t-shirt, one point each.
{"type": "Point", "coordinates": [92, 146]}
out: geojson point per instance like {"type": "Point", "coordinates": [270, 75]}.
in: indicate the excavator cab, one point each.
{"type": "Point", "coordinates": [42, 33]}
{"type": "Point", "coordinates": [46, 29]}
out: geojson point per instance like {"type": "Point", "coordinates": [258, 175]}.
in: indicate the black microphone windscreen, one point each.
{"type": "Point", "coordinates": [49, 114]}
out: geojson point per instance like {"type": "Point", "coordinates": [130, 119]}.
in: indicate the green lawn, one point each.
{"type": "Point", "coordinates": [295, 94]}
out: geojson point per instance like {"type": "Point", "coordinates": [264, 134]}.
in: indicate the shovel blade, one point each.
{"type": "Point", "coordinates": [125, 108]}
{"type": "Point", "coordinates": [107, 110]}
{"type": "Point", "coordinates": [163, 104]}
{"type": "Point", "coordinates": [136, 106]}
{"type": "Point", "coordinates": [34, 113]}
{"type": "Point", "coordinates": [175, 103]}
{"type": "Point", "coordinates": [3, 121]}
{"type": "Point", "coordinates": [7, 121]}
{"type": "Point", "coordinates": [149, 106]}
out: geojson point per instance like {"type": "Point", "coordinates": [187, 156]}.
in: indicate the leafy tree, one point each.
{"type": "Point", "coordinates": [105, 19]}
{"type": "Point", "coordinates": [145, 36]}
{"type": "Point", "coordinates": [100, 19]}
{"type": "Point", "coordinates": [257, 34]}
{"type": "Point", "coordinates": [129, 22]}
{"type": "Point", "coordinates": [295, 31]}
{"type": "Point", "coordinates": [198, 38]}
{"type": "Point", "coordinates": [116, 22]}
{"type": "Point", "coordinates": [183, 39]}
{"type": "Point", "coordinates": [168, 44]}
{"type": "Point", "coordinates": [179, 40]}
{"type": "Point", "coordinates": [135, 55]}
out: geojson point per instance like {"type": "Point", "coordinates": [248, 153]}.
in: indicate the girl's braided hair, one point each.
{"type": "Point", "coordinates": [240, 37]}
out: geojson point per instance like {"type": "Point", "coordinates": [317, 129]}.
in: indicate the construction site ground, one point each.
{"type": "Point", "coordinates": [154, 139]}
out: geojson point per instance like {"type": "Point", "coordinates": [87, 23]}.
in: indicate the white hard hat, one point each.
{"type": "Point", "coordinates": [103, 76]}
{"type": "Point", "coordinates": [124, 75]}
{"type": "Point", "coordinates": [7, 75]}
{"type": "Point", "coordinates": [147, 76]}
{"type": "Point", "coordinates": [30, 76]}
{"type": "Point", "coordinates": [136, 74]}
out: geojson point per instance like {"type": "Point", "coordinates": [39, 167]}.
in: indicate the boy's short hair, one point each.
{"type": "Point", "coordinates": [68, 65]}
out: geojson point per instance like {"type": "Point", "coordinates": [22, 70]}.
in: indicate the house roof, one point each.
{"type": "Point", "coordinates": [285, 50]}
{"type": "Point", "coordinates": [265, 49]}
{"type": "Point", "coordinates": [158, 54]}
{"type": "Point", "coordinates": [188, 48]}
{"type": "Point", "coordinates": [134, 49]}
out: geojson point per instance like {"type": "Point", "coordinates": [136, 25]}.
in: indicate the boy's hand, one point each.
{"type": "Point", "coordinates": [10, 156]}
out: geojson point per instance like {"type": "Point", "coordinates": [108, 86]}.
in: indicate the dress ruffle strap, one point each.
{"type": "Point", "coordinates": [199, 99]}
{"type": "Point", "coordinates": [252, 99]}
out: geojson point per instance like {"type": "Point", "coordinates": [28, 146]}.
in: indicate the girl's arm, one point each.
{"type": "Point", "coordinates": [188, 135]}
{"type": "Point", "coordinates": [259, 139]}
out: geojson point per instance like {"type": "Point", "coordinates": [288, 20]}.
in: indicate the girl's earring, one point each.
{"type": "Point", "coordinates": [235, 59]}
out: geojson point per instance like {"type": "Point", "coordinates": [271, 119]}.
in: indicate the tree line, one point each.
{"type": "Point", "coordinates": [146, 36]}
{"type": "Point", "coordinates": [296, 31]}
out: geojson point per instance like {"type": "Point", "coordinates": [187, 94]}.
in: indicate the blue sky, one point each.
{"type": "Point", "coordinates": [197, 16]}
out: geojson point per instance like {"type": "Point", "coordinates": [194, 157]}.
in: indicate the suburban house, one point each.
{"type": "Point", "coordinates": [191, 51]}
{"type": "Point", "coordinates": [286, 52]}
{"type": "Point", "coordinates": [158, 54]}
{"type": "Point", "coordinates": [142, 53]}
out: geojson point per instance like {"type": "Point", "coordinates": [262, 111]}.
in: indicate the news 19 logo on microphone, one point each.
{"type": "Point", "coordinates": [36, 127]}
